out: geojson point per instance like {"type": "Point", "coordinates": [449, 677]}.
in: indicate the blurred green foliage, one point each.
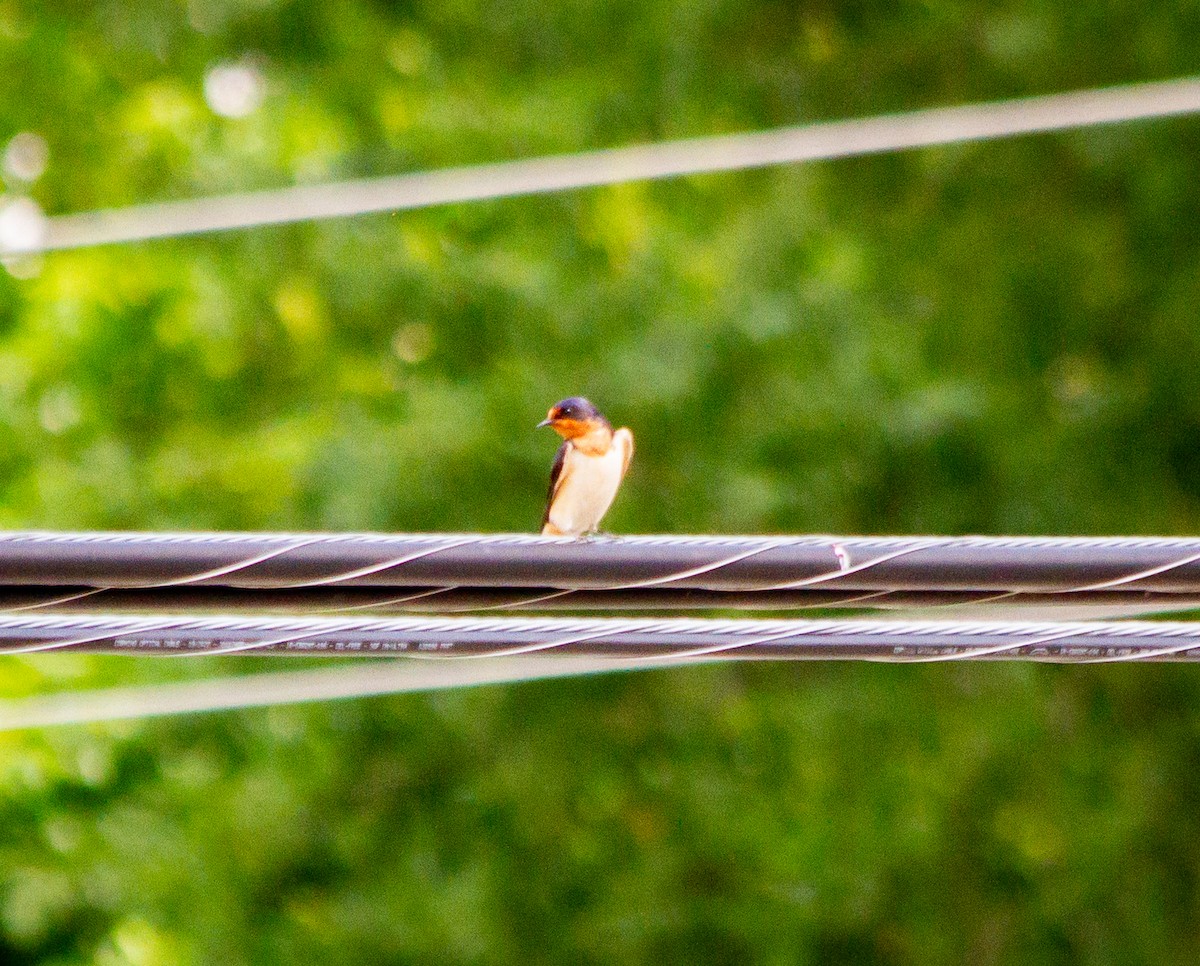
{"type": "Point", "coordinates": [990, 338]}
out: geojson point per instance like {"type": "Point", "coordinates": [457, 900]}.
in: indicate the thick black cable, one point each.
{"type": "Point", "coordinates": [739, 564]}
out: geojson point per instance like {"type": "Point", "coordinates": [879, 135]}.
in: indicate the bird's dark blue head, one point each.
{"type": "Point", "coordinates": [573, 416]}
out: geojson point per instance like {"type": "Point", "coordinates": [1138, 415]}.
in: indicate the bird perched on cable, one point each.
{"type": "Point", "coordinates": [588, 467]}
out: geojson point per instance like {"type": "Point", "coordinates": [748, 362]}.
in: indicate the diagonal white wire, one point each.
{"type": "Point", "coordinates": [294, 687]}
{"type": "Point", "coordinates": [812, 142]}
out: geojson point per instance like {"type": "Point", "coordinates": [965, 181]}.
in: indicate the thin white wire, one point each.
{"type": "Point", "coordinates": [813, 142]}
{"type": "Point", "coordinates": [294, 687]}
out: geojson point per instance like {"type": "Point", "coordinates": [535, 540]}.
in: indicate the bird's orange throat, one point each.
{"type": "Point", "coordinates": [586, 435]}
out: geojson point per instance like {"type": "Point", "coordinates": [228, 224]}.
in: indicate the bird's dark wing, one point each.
{"type": "Point", "coordinates": [555, 478]}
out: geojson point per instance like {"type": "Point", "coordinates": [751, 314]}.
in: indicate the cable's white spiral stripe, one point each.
{"type": "Point", "coordinates": [987, 651]}
{"type": "Point", "coordinates": [715, 650]}
{"type": "Point", "coordinates": [841, 572]}
{"type": "Point", "coordinates": [401, 599]}
{"type": "Point", "coordinates": [241, 565]}
{"type": "Point", "coordinates": [56, 601]}
{"type": "Point", "coordinates": [526, 601]}
{"type": "Point", "coordinates": [702, 569]}
{"type": "Point", "coordinates": [1133, 578]}
{"type": "Point", "coordinates": [236, 647]}
{"type": "Point", "coordinates": [390, 564]}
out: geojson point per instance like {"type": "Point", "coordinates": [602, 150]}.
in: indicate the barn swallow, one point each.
{"type": "Point", "coordinates": [588, 467]}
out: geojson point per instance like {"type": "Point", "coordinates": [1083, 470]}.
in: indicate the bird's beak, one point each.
{"type": "Point", "coordinates": [544, 422]}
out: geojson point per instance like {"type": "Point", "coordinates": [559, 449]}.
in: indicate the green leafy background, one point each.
{"type": "Point", "coordinates": [992, 338]}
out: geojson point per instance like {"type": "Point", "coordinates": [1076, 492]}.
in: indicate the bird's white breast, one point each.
{"type": "Point", "coordinates": [589, 484]}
